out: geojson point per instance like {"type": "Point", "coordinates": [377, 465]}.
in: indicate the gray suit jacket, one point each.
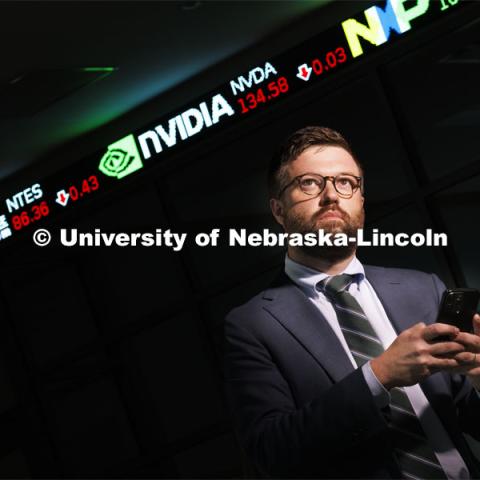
{"type": "Point", "coordinates": [299, 407]}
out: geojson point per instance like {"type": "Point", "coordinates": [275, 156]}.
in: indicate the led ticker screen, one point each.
{"type": "Point", "coordinates": [255, 90]}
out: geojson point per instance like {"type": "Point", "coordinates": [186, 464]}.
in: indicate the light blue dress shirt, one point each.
{"type": "Point", "coordinates": [307, 278]}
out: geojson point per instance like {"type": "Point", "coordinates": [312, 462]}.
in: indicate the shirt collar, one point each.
{"type": "Point", "coordinates": [307, 278]}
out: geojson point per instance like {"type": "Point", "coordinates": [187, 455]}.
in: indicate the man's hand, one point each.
{"type": "Point", "coordinates": [470, 359]}
{"type": "Point", "coordinates": [414, 355]}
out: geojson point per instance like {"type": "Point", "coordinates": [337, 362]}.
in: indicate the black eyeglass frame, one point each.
{"type": "Point", "coordinates": [325, 179]}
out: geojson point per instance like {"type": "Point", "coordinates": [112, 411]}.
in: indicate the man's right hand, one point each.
{"type": "Point", "coordinates": [414, 355]}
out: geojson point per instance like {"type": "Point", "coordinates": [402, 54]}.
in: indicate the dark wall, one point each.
{"type": "Point", "coordinates": [110, 360]}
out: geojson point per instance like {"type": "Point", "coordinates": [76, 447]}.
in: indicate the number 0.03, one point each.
{"type": "Point", "coordinates": [332, 59]}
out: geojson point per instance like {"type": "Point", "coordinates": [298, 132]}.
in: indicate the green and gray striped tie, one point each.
{"type": "Point", "coordinates": [414, 455]}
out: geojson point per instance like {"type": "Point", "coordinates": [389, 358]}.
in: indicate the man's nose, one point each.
{"type": "Point", "coordinates": [329, 194]}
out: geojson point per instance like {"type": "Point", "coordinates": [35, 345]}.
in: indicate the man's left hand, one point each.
{"type": "Point", "coordinates": [471, 357]}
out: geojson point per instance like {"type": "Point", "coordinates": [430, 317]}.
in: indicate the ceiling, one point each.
{"type": "Point", "coordinates": [153, 48]}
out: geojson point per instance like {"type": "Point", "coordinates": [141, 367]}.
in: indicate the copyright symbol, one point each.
{"type": "Point", "coordinates": [42, 237]}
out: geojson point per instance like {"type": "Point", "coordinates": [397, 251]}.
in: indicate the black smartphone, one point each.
{"type": "Point", "coordinates": [458, 307]}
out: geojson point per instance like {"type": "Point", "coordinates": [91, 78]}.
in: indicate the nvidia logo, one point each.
{"type": "Point", "coordinates": [121, 159]}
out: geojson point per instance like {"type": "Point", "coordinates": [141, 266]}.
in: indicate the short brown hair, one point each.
{"type": "Point", "coordinates": [294, 145]}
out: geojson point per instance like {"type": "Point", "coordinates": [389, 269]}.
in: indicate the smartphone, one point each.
{"type": "Point", "coordinates": [458, 307]}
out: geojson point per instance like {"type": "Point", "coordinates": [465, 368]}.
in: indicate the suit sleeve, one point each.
{"type": "Point", "coordinates": [465, 396]}
{"type": "Point", "coordinates": [282, 438]}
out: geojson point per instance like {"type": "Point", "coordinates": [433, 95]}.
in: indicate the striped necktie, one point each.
{"type": "Point", "coordinates": [412, 451]}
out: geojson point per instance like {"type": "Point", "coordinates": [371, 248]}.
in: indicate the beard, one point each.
{"type": "Point", "coordinates": [347, 225]}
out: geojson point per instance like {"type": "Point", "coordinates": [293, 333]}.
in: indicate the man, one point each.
{"type": "Point", "coordinates": [336, 371]}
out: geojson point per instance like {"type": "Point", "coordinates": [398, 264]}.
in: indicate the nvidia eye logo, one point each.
{"type": "Point", "coordinates": [121, 159]}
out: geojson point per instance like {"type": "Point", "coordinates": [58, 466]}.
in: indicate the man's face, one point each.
{"type": "Point", "coordinates": [298, 212]}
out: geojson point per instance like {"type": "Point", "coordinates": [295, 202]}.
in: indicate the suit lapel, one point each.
{"type": "Point", "coordinates": [290, 306]}
{"type": "Point", "coordinates": [389, 289]}
{"type": "Point", "coordinates": [393, 289]}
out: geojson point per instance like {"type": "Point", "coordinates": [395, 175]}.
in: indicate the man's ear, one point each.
{"type": "Point", "coordinates": [277, 209]}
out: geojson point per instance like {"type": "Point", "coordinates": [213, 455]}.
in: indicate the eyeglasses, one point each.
{"type": "Point", "coordinates": [314, 184]}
